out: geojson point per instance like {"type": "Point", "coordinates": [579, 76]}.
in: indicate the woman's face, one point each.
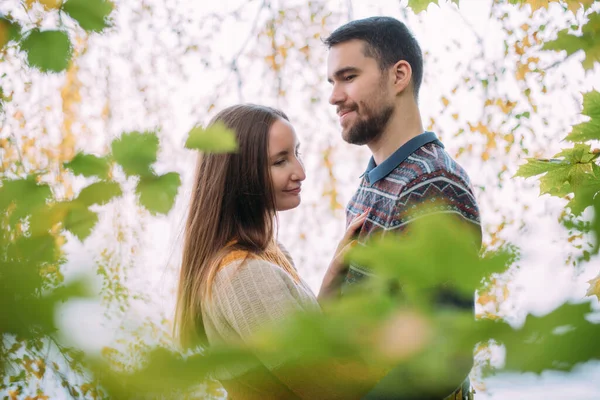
{"type": "Point", "coordinates": [287, 170]}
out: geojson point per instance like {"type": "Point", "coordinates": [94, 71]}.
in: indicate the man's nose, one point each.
{"type": "Point", "coordinates": [337, 96]}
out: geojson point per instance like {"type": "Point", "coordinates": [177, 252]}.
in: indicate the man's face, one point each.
{"type": "Point", "coordinates": [361, 92]}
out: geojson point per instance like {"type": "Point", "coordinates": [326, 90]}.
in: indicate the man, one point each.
{"type": "Point", "coordinates": [375, 67]}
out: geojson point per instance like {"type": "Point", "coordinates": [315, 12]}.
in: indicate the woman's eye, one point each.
{"type": "Point", "coordinates": [279, 162]}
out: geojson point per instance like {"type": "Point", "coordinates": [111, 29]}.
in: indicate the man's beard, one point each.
{"type": "Point", "coordinates": [366, 130]}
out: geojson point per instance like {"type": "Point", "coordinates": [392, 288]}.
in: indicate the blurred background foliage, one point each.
{"type": "Point", "coordinates": [72, 145]}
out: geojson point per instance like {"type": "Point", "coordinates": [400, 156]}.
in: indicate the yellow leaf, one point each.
{"type": "Point", "coordinates": [485, 299]}
{"type": "Point", "coordinates": [594, 289]}
{"type": "Point", "coordinates": [445, 101]}
{"type": "Point", "coordinates": [506, 106]}
{"type": "Point", "coordinates": [305, 50]}
{"type": "Point", "coordinates": [47, 4]}
{"type": "Point", "coordinates": [574, 5]}
{"type": "Point", "coordinates": [270, 60]}
{"type": "Point", "coordinates": [455, 116]}
{"type": "Point", "coordinates": [537, 4]}
{"type": "Point", "coordinates": [283, 51]}
{"type": "Point", "coordinates": [522, 70]}
{"type": "Point", "coordinates": [519, 49]}
{"type": "Point", "coordinates": [3, 35]}
{"type": "Point", "coordinates": [431, 124]}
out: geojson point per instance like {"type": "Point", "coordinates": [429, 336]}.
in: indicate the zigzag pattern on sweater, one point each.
{"type": "Point", "coordinates": [428, 177]}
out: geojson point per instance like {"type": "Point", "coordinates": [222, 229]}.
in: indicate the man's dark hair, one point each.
{"type": "Point", "coordinates": [387, 40]}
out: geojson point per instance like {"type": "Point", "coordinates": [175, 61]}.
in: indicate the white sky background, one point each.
{"type": "Point", "coordinates": [178, 91]}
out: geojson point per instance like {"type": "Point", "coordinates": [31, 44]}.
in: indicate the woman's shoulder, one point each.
{"type": "Point", "coordinates": [244, 265]}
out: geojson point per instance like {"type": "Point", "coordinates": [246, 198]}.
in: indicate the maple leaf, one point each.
{"type": "Point", "coordinates": [589, 130]}
{"type": "Point", "coordinates": [586, 42]}
{"type": "Point", "coordinates": [572, 5]}
{"type": "Point", "coordinates": [421, 5]}
{"type": "Point", "coordinates": [594, 289]}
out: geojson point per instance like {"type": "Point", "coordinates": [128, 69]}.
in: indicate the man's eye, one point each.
{"type": "Point", "coordinates": [349, 77]}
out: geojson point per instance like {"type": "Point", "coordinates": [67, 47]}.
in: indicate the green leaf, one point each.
{"type": "Point", "coordinates": [588, 158]}
{"type": "Point", "coordinates": [136, 152]}
{"type": "Point", "coordinates": [26, 194]}
{"type": "Point", "coordinates": [10, 31]}
{"type": "Point", "coordinates": [556, 182]}
{"type": "Point", "coordinates": [214, 139]}
{"type": "Point", "coordinates": [591, 104]}
{"type": "Point", "coordinates": [45, 218]}
{"type": "Point", "coordinates": [576, 154]}
{"type": "Point", "coordinates": [578, 174]}
{"type": "Point", "coordinates": [425, 260]}
{"type": "Point", "coordinates": [550, 187]}
{"type": "Point", "coordinates": [80, 221]}
{"type": "Point", "coordinates": [539, 166]}
{"type": "Point", "coordinates": [585, 131]}
{"type": "Point", "coordinates": [559, 340]}
{"type": "Point", "coordinates": [587, 42]}
{"type": "Point", "coordinates": [535, 5]}
{"type": "Point", "coordinates": [49, 51]}
{"type": "Point", "coordinates": [99, 193]}
{"type": "Point", "coordinates": [421, 5]}
{"type": "Point", "coordinates": [585, 193]}
{"type": "Point", "coordinates": [596, 223]}
{"type": "Point", "coordinates": [89, 165]}
{"type": "Point", "coordinates": [166, 371]}
{"type": "Point", "coordinates": [589, 130]}
{"type": "Point", "coordinates": [157, 194]}
{"type": "Point", "coordinates": [92, 15]}
{"type": "Point", "coordinates": [37, 250]}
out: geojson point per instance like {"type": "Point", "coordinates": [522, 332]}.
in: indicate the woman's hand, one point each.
{"type": "Point", "coordinates": [337, 268]}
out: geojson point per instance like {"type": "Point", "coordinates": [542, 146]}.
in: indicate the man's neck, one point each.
{"type": "Point", "coordinates": [402, 126]}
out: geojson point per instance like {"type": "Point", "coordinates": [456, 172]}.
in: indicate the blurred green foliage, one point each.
{"type": "Point", "coordinates": [403, 330]}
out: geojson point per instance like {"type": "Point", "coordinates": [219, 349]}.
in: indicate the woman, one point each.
{"type": "Point", "coordinates": [235, 277]}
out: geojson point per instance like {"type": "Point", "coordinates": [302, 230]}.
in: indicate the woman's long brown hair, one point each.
{"type": "Point", "coordinates": [232, 202]}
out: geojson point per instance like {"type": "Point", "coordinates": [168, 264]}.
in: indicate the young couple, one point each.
{"type": "Point", "coordinates": [235, 276]}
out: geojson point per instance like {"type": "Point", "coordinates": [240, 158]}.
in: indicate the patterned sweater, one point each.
{"type": "Point", "coordinates": [419, 173]}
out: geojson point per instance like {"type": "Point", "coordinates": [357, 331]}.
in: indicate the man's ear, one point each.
{"type": "Point", "coordinates": [402, 75]}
